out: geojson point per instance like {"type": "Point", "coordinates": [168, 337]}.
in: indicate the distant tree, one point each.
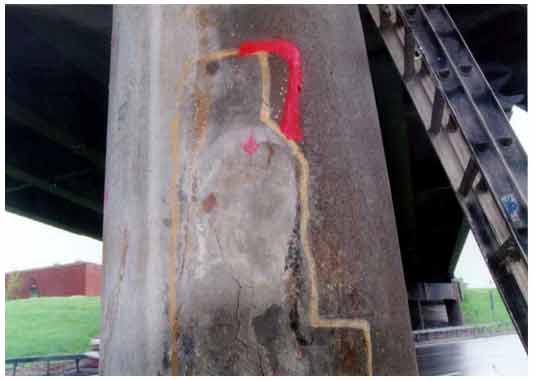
{"type": "Point", "coordinates": [14, 284]}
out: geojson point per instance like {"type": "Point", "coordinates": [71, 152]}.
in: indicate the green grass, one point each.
{"type": "Point", "coordinates": [51, 325]}
{"type": "Point", "coordinates": [477, 307]}
{"type": "Point", "coordinates": [65, 325]}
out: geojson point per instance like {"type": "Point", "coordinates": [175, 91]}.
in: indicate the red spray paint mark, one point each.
{"type": "Point", "coordinates": [250, 146]}
{"type": "Point", "coordinates": [289, 52]}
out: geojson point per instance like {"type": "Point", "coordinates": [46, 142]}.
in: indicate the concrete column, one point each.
{"type": "Point", "coordinates": [416, 314]}
{"type": "Point", "coordinates": [229, 247]}
{"type": "Point", "coordinates": [454, 313]}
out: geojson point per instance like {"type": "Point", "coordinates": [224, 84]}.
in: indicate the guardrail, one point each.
{"type": "Point", "coordinates": [462, 332]}
{"type": "Point", "coordinates": [48, 358]}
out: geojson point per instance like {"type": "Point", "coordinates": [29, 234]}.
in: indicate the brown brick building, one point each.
{"type": "Point", "coordinates": [79, 278]}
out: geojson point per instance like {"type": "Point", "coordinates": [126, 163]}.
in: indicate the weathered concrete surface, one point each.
{"type": "Point", "coordinates": [205, 265]}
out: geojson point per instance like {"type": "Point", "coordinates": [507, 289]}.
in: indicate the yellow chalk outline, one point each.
{"type": "Point", "coordinates": [174, 203]}
{"type": "Point", "coordinates": [265, 117]}
{"type": "Point", "coordinates": [315, 318]}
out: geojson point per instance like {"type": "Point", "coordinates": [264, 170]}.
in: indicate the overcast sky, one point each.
{"type": "Point", "coordinates": [30, 244]}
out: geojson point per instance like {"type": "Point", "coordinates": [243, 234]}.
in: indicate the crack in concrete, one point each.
{"type": "Point", "coordinates": [260, 361]}
{"type": "Point", "coordinates": [237, 308]}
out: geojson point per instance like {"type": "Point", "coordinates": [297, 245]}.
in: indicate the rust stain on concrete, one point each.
{"type": "Point", "coordinates": [209, 203]}
{"type": "Point", "coordinates": [201, 105]}
{"type": "Point", "coordinates": [174, 203]}
{"type": "Point", "coordinates": [202, 102]}
{"type": "Point", "coordinates": [172, 259]}
{"type": "Point", "coordinates": [270, 153]}
{"type": "Point", "coordinates": [348, 346]}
